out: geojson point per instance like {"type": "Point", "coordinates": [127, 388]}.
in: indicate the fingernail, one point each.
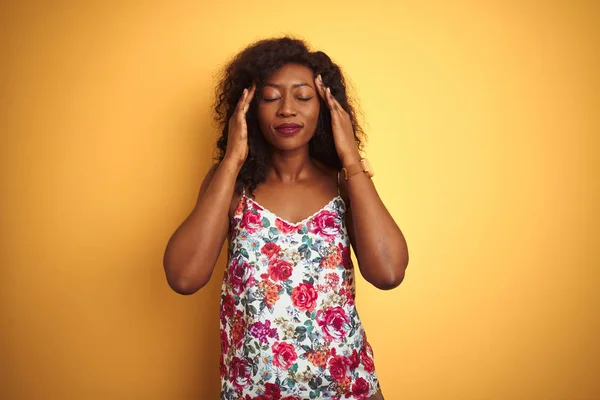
{"type": "Point", "coordinates": [320, 78]}
{"type": "Point", "coordinates": [245, 91]}
{"type": "Point", "coordinates": [328, 90]}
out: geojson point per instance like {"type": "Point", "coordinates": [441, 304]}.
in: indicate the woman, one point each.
{"type": "Point", "coordinates": [291, 193]}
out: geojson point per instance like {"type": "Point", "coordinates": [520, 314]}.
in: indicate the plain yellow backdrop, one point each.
{"type": "Point", "coordinates": [484, 134]}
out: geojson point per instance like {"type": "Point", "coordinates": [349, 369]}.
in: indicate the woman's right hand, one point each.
{"type": "Point", "coordinates": [237, 136]}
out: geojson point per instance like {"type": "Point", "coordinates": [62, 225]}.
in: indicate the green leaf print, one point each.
{"type": "Point", "coordinates": [265, 222]}
{"type": "Point", "coordinates": [301, 333]}
{"type": "Point", "coordinates": [288, 381]}
{"type": "Point", "coordinates": [305, 229]}
{"type": "Point", "coordinates": [251, 310]}
{"type": "Point", "coordinates": [273, 232]}
{"type": "Point", "coordinates": [307, 240]}
{"type": "Point", "coordinates": [245, 253]}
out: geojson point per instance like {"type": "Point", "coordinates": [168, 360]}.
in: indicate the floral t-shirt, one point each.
{"type": "Point", "coordinates": [289, 325]}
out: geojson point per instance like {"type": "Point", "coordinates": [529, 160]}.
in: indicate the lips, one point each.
{"type": "Point", "coordinates": [288, 129]}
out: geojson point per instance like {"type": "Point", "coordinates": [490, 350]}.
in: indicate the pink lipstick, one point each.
{"type": "Point", "coordinates": [289, 129]}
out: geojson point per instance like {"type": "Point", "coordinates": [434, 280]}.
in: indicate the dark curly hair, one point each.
{"type": "Point", "coordinates": [255, 64]}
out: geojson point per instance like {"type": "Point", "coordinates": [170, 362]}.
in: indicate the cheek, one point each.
{"type": "Point", "coordinates": [264, 119]}
{"type": "Point", "coordinates": [262, 113]}
{"type": "Point", "coordinates": [311, 113]}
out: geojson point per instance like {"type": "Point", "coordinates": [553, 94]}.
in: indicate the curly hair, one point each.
{"type": "Point", "coordinates": [255, 64]}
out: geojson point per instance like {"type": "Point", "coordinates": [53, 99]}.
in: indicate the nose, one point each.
{"type": "Point", "coordinates": [287, 108]}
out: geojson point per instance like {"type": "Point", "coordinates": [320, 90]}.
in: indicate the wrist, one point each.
{"type": "Point", "coordinates": [232, 163]}
{"type": "Point", "coordinates": [350, 158]}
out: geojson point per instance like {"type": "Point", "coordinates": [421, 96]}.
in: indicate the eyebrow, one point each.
{"type": "Point", "coordinates": [296, 85]}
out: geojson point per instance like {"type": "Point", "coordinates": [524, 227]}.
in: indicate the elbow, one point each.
{"type": "Point", "coordinates": [392, 277]}
{"type": "Point", "coordinates": [184, 284]}
{"type": "Point", "coordinates": [389, 281]}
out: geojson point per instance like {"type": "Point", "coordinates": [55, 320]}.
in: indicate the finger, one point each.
{"type": "Point", "coordinates": [336, 104]}
{"type": "Point", "coordinates": [331, 100]}
{"type": "Point", "coordinates": [325, 93]}
{"type": "Point", "coordinates": [322, 89]}
{"type": "Point", "coordinates": [320, 86]}
{"type": "Point", "coordinates": [249, 97]}
{"type": "Point", "coordinates": [240, 104]}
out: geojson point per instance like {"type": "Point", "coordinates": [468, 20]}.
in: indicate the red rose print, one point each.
{"type": "Point", "coordinates": [354, 359]}
{"type": "Point", "coordinates": [333, 322]}
{"type": "Point", "coordinates": [284, 354]}
{"type": "Point", "coordinates": [238, 329]}
{"type": "Point", "coordinates": [360, 387]}
{"type": "Point", "coordinates": [224, 342]}
{"type": "Point", "coordinates": [284, 227]}
{"type": "Point", "coordinates": [222, 368]}
{"type": "Point", "coordinates": [345, 253]}
{"type": "Point", "coordinates": [228, 306]}
{"type": "Point", "coordinates": [338, 366]}
{"type": "Point", "coordinates": [272, 392]}
{"type": "Point", "coordinates": [238, 275]}
{"type": "Point", "coordinates": [251, 222]}
{"type": "Point", "coordinates": [324, 224]}
{"type": "Point", "coordinates": [304, 297]}
{"type": "Point", "coordinates": [367, 361]}
{"type": "Point", "coordinates": [270, 249]}
{"type": "Point", "coordinates": [241, 373]}
{"type": "Point", "coordinates": [280, 270]}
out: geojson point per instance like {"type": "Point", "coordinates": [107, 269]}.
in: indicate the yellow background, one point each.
{"type": "Point", "coordinates": [484, 135]}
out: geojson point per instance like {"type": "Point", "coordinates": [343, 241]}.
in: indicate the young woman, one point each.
{"type": "Point", "coordinates": [291, 193]}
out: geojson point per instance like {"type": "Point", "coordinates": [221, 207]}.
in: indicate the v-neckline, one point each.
{"type": "Point", "coordinates": [302, 222]}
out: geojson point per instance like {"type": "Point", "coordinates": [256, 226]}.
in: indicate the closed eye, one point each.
{"type": "Point", "coordinates": [277, 98]}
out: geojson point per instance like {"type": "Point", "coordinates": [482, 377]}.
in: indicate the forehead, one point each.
{"type": "Point", "coordinates": [290, 74]}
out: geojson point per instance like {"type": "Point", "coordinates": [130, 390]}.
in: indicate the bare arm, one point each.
{"type": "Point", "coordinates": [194, 248]}
{"type": "Point", "coordinates": [377, 240]}
{"type": "Point", "coordinates": [192, 251]}
{"type": "Point", "coordinates": [379, 244]}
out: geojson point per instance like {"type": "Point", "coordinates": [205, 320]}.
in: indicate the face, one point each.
{"type": "Point", "coordinates": [288, 107]}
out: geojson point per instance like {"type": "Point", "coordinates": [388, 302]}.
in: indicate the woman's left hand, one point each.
{"type": "Point", "coordinates": [341, 124]}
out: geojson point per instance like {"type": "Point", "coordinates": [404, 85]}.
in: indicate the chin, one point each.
{"type": "Point", "coordinates": [288, 143]}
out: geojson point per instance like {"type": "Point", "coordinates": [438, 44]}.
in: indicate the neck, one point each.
{"type": "Point", "coordinates": [290, 166]}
